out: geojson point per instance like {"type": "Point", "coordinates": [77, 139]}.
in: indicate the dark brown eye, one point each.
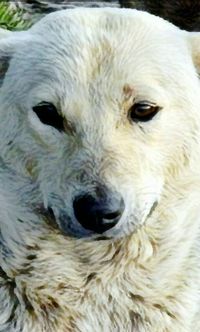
{"type": "Point", "coordinates": [143, 111]}
{"type": "Point", "coordinates": [48, 114]}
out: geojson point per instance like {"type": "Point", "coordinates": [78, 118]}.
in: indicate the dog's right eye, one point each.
{"type": "Point", "coordinates": [48, 114]}
{"type": "Point", "coordinates": [143, 111]}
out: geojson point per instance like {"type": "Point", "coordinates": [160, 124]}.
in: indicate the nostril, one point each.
{"type": "Point", "coordinates": [98, 215]}
{"type": "Point", "coordinates": [112, 215]}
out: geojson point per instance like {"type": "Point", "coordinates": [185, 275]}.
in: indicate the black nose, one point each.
{"type": "Point", "coordinates": [98, 215]}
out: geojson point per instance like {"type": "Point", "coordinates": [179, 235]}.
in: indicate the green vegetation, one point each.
{"type": "Point", "coordinates": [12, 18]}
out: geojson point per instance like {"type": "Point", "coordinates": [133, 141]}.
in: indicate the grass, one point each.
{"type": "Point", "coordinates": [12, 18]}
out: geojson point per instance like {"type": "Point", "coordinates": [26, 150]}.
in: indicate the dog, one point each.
{"type": "Point", "coordinates": [99, 174]}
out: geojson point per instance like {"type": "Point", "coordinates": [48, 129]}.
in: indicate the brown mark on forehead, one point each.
{"type": "Point", "coordinates": [128, 95]}
{"type": "Point", "coordinates": [128, 91]}
{"type": "Point", "coordinates": [125, 100]}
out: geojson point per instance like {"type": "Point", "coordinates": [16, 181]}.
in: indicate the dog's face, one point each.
{"type": "Point", "coordinates": [100, 109]}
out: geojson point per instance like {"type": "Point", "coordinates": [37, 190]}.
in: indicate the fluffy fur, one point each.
{"type": "Point", "coordinates": [144, 274]}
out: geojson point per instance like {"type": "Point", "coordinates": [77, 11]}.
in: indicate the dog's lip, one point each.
{"type": "Point", "coordinates": [152, 209]}
{"type": "Point", "coordinates": [48, 216]}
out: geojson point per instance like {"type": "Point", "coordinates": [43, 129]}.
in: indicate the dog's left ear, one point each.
{"type": "Point", "coordinates": [4, 55]}
{"type": "Point", "coordinates": [194, 39]}
{"type": "Point", "coordinates": [9, 42]}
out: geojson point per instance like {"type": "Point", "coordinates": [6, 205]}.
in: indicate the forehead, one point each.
{"type": "Point", "coordinates": [103, 50]}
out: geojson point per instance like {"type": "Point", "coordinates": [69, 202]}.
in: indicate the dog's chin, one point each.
{"type": "Point", "coordinates": [77, 232]}
{"type": "Point", "coordinates": [86, 235]}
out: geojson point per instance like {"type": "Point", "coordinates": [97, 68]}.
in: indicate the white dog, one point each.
{"type": "Point", "coordinates": [99, 175]}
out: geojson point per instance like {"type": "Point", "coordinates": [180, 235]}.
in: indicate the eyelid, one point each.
{"type": "Point", "coordinates": [148, 104]}
{"type": "Point", "coordinates": [145, 102]}
{"type": "Point", "coordinates": [46, 103]}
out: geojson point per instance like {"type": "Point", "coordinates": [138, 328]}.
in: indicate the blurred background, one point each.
{"type": "Point", "coordinates": [17, 15]}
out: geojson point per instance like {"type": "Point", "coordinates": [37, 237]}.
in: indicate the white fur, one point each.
{"type": "Point", "coordinates": [144, 276]}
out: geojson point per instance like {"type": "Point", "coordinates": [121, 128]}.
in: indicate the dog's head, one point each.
{"type": "Point", "coordinates": [100, 108]}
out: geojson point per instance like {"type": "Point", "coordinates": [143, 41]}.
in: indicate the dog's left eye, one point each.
{"type": "Point", "coordinates": [143, 111]}
{"type": "Point", "coordinates": [48, 114]}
